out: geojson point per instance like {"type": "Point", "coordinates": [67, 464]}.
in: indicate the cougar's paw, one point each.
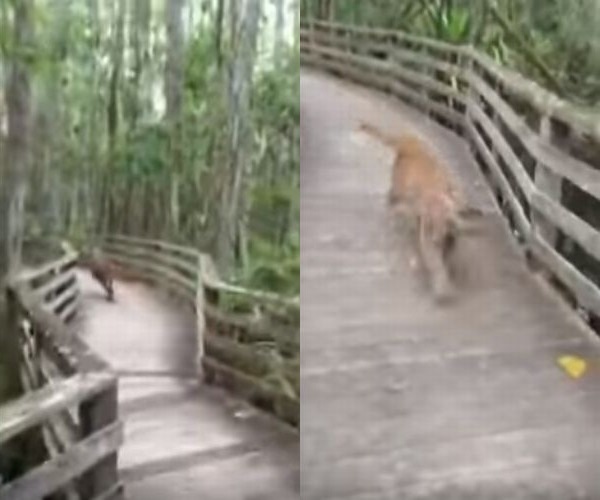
{"type": "Point", "coordinates": [443, 291]}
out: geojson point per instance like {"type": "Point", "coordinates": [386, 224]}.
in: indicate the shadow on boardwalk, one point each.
{"type": "Point", "coordinates": [403, 400]}
{"type": "Point", "coordinates": [182, 440]}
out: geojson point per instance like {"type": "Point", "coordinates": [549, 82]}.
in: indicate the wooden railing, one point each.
{"type": "Point", "coordinates": [70, 400]}
{"type": "Point", "coordinates": [248, 340]}
{"type": "Point", "coordinates": [541, 155]}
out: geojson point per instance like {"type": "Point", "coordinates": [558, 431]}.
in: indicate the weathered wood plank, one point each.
{"type": "Point", "coordinates": [242, 357]}
{"type": "Point", "coordinates": [34, 408]}
{"type": "Point", "coordinates": [398, 35]}
{"type": "Point", "coordinates": [364, 62]}
{"type": "Point", "coordinates": [346, 28]}
{"type": "Point", "coordinates": [189, 251]}
{"type": "Point", "coordinates": [580, 231]}
{"type": "Point", "coordinates": [246, 328]}
{"type": "Point", "coordinates": [115, 492]}
{"type": "Point", "coordinates": [372, 79]}
{"type": "Point", "coordinates": [57, 471]}
{"type": "Point", "coordinates": [95, 415]}
{"type": "Point", "coordinates": [521, 221]}
{"type": "Point", "coordinates": [587, 293]}
{"type": "Point", "coordinates": [549, 184]}
{"type": "Point", "coordinates": [59, 338]}
{"type": "Point", "coordinates": [70, 311]}
{"type": "Point", "coordinates": [57, 282]}
{"type": "Point", "coordinates": [400, 54]}
{"type": "Point", "coordinates": [560, 163]}
{"type": "Point", "coordinates": [36, 273]}
{"type": "Point", "coordinates": [426, 82]}
{"type": "Point", "coordinates": [503, 148]}
{"type": "Point", "coordinates": [354, 44]}
{"type": "Point", "coordinates": [67, 295]}
{"type": "Point", "coordinates": [70, 355]}
{"type": "Point", "coordinates": [540, 98]}
{"type": "Point", "coordinates": [159, 271]}
{"type": "Point", "coordinates": [183, 264]}
{"type": "Point", "coordinates": [252, 389]}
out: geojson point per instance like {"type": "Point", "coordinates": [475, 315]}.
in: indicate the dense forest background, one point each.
{"type": "Point", "coordinates": [555, 42]}
{"type": "Point", "coordinates": [170, 119]}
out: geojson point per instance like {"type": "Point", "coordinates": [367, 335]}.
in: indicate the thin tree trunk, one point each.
{"type": "Point", "coordinates": [279, 25]}
{"type": "Point", "coordinates": [139, 25]}
{"type": "Point", "coordinates": [13, 173]}
{"type": "Point", "coordinates": [17, 153]}
{"type": "Point", "coordinates": [240, 84]}
{"type": "Point", "coordinates": [113, 111]}
{"type": "Point", "coordinates": [219, 32]}
{"type": "Point", "coordinates": [296, 7]}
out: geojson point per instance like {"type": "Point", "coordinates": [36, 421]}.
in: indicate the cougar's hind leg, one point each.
{"type": "Point", "coordinates": [391, 198]}
{"type": "Point", "coordinates": [432, 255]}
{"type": "Point", "coordinates": [110, 293]}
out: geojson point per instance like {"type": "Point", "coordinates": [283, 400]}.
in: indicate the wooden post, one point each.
{"type": "Point", "coordinates": [470, 96]}
{"type": "Point", "coordinates": [10, 350]}
{"type": "Point", "coordinates": [95, 414]}
{"type": "Point", "coordinates": [311, 36]}
{"type": "Point", "coordinates": [548, 183]}
{"type": "Point", "coordinates": [200, 319]}
{"type": "Point", "coordinates": [11, 455]}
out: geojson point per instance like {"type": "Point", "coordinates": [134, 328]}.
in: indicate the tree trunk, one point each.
{"type": "Point", "coordinates": [279, 25]}
{"type": "Point", "coordinates": [13, 172]}
{"type": "Point", "coordinates": [139, 27]}
{"type": "Point", "coordinates": [219, 32]}
{"type": "Point", "coordinates": [17, 154]}
{"type": "Point", "coordinates": [296, 42]}
{"type": "Point", "coordinates": [232, 211]}
{"type": "Point", "coordinates": [113, 111]}
{"type": "Point", "coordinates": [174, 100]}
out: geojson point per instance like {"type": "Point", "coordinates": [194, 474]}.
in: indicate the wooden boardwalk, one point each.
{"type": "Point", "coordinates": [404, 400]}
{"type": "Point", "coordinates": [182, 441]}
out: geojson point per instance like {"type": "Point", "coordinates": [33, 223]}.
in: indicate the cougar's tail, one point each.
{"type": "Point", "coordinates": [387, 139]}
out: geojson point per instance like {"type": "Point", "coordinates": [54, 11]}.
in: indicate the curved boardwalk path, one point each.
{"type": "Point", "coordinates": [404, 400]}
{"type": "Point", "coordinates": [182, 441]}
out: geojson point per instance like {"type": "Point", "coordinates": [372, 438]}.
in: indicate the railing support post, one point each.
{"type": "Point", "coordinates": [549, 184]}
{"type": "Point", "coordinates": [10, 349]}
{"type": "Point", "coordinates": [200, 318]}
{"type": "Point", "coordinates": [95, 414]}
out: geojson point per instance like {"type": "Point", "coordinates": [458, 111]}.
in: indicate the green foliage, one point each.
{"type": "Point", "coordinates": [451, 25]}
{"type": "Point", "coordinates": [85, 181]}
{"type": "Point", "coordinates": [144, 155]}
{"type": "Point", "coordinates": [556, 42]}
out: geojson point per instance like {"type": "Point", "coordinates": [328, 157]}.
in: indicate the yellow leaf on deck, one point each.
{"type": "Point", "coordinates": [573, 365]}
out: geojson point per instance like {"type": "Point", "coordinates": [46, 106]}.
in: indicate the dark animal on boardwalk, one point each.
{"type": "Point", "coordinates": [102, 271]}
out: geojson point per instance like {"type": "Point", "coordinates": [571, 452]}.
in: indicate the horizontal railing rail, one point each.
{"type": "Point", "coordinates": [248, 340]}
{"type": "Point", "coordinates": [540, 154]}
{"type": "Point", "coordinates": [70, 400]}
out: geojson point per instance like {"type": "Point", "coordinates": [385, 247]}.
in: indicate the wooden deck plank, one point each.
{"type": "Point", "coordinates": [182, 439]}
{"type": "Point", "coordinates": [401, 399]}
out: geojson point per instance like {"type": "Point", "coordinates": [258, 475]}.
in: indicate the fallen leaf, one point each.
{"type": "Point", "coordinates": [574, 366]}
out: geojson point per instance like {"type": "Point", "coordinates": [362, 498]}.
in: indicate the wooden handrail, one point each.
{"type": "Point", "coordinates": [506, 119]}
{"type": "Point", "coordinates": [209, 276]}
{"type": "Point", "coordinates": [34, 408]}
{"type": "Point", "coordinates": [60, 373]}
{"type": "Point", "coordinates": [545, 101]}
{"type": "Point", "coordinates": [231, 346]}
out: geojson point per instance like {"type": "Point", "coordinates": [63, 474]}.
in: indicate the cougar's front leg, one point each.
{"type": "Point", "coordinates": [432, 256]}
{"type": "Point", "coordinates": [110, 293]}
